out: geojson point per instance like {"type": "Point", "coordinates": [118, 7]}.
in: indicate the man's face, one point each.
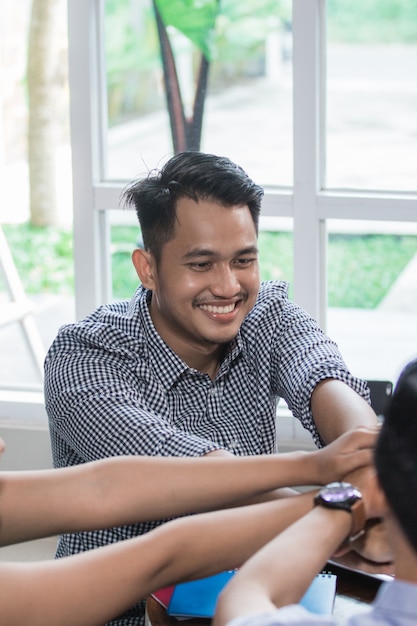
{"type": "Point", "coordinates": [207, 279]}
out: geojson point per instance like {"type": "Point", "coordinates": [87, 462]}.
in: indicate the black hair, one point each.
{"type": "Point", "coordinates": [396, 452]}
{"type": "Point", "coordinates": [197, 175]}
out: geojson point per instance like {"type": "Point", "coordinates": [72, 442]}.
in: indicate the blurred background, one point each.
{"type": "Point", "coordinates": [234, 84]}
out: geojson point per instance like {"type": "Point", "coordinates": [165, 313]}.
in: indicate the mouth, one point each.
{"type": "Point", "coordinates": [217, 309]}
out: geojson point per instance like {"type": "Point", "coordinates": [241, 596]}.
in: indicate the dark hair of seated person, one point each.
{"type": "Point", "coordinates": [396, 452]}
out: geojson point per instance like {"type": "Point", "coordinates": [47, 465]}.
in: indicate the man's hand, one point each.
{"type": "Point", "coordinates": [351, 451]}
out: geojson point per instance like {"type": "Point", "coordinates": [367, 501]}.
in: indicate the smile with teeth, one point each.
{"type": "Point", "coordinates": [211, 308]}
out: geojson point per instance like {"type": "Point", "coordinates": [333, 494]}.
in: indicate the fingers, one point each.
{"type": "Point", "coordinates": [362, 437]}
{"type": "Point", "coordinates": [358, 459]}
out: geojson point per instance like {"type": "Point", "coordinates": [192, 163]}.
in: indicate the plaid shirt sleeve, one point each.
{"type": "Point", "coordinates": [306, 356]}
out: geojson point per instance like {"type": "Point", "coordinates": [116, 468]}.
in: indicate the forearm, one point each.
{"type": "Point", "coordinates": [266, 582]}
{"type": "Point", "coordinates": [95, 586]}
{"type": "Point", "coordinates": [200, 545]}
{"type": "Point", "coordinates": [122, 490]}
{"type": "Point", "coordinates": [337, 408]}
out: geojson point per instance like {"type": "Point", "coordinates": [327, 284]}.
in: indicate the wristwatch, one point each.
{"type": "Point", "coordinates": [348, 498]}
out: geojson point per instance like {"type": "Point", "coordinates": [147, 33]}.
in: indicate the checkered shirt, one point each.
{"type": "Point", "coordinates": [113, 387]}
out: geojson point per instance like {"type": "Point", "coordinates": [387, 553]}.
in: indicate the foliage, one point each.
{"type": "Point", "coordinates": [372, 21]}
{"type": "Point", "coordinates": [229, 33]}
{"type": "Point", "coordinates": [43, 257]}
{"type": "Point", "coordinates": [362, 268]}
{"type": "Point", "coordinates": [195, 20]}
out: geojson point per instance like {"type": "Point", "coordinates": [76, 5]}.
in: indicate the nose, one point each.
{"type": "Point", "coordinates": [225, 283]}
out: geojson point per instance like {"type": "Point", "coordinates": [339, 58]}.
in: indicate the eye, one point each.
{"type": "Point", "coordinates": [244, 261]}
{"type": "Point", "coordinates": [200, 266]}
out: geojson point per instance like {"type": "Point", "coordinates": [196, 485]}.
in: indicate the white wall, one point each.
{"type": "Point", "coordinates": [27, 447]}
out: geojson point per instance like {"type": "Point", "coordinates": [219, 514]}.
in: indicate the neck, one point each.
{"type": "Point", "coordinates": [204, 357]}
{"type": "Point", "coordinates": [205, 362]}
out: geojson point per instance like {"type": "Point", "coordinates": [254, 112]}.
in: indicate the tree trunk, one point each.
{"type": "Point", "coordinates": [42, 122]}
{"type": "Point", "coordinates": [172, 87]}
{"type": "Point", "coordinates": [185, 131]}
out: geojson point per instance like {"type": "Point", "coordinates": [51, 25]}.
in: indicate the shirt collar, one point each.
{"type": "Point", "coordinates": [167, 365]}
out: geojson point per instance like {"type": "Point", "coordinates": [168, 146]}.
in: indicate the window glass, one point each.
{"type": "Point", "coordinates": [372, 295]}
{"type": "Point", "coordinates": [371, 107]}
{"type": "Point", "coordinates": [245, 104]}
{"type": "Point", "coordinates": [36, 252]}
{"type": "Point", "coordinates": [276, 251]}
{"type": "Point", "coordinates": [125, 237]}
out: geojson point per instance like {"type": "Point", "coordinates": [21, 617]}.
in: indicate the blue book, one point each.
{"type": "Point", "coordinates": [198, 598]}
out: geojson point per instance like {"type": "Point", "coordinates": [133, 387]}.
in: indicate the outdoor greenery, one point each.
{"type": "Point", "coordinates": [43, 257]}
{"type": "Point", "coordinates": [361, 268]}
{"type": "Point", "coordinates": [372, 21]}
{"type": "Point", "coordinates": [229, 34]}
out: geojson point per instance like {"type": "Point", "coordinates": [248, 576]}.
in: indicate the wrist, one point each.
{"type": "Point", "coordinates": [344, 497]}
{"type": "Point", "coordinates": [327, 531]}
{"type": "Point", "coordinates": [335, 523]}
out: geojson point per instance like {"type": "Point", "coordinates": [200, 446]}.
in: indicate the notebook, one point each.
{"type": "Point", "coordinates": [198, 598]}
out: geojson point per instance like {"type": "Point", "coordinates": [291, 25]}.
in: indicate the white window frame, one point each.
{"type": "Point", "coordinates": [307, 202]}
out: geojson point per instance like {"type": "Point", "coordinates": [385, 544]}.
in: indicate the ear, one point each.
{"type": "Point", "coordinates": [145, 267]}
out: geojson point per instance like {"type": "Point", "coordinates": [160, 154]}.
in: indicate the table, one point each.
{"type": "Point", "coordinates": [354, 592]}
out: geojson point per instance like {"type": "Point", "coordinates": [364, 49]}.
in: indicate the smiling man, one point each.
{"type": "Point", "coordinates": [205, 281]}
{"type": "Point", "coordinates": [196, 362]}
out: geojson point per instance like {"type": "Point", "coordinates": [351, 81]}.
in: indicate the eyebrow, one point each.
{"type": "Point", "coordinates": [207, 252]}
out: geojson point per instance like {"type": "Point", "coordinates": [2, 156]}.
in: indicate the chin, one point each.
{"type": "Point", "coordinates": [225, 338]}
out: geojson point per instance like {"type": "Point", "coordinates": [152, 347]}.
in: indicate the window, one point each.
{"type": "Point", "coordinates": [320, 108]}
{"type": "Point", "coordinates": [246, 85]}
{"type": "Point", "coordinates": [371, 96]}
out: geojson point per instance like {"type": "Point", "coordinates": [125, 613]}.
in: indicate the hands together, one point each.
{"type": "Point", "coordinates": [350, 458]}
{"type": "Point", "coordinates": [351, 451]}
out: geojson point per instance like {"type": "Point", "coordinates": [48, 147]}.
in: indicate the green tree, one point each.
{"type": "Point", "coordinates": [204, 22]}
{"type": "Point", "coordinates": [197, 21]}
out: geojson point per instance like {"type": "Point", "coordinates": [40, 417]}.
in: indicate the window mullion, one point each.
{"type": "Point", "coordinates": [309, 242]}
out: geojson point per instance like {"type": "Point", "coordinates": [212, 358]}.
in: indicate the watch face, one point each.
{"type": "Point", "coordinates": [339, 492]}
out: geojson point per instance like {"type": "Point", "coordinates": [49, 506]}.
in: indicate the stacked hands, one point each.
{"type": "Point", "coordinates": [350, 459]}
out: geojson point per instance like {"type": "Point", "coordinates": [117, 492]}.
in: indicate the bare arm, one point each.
{"type": "Point", "coordinates": [90, 588]}
{"type": "Point", "coordinates": [123, 490]}
{"type": "Point", "coordinates": [337, 408]}
{"type": "Point", "coordinates": [265, 581]}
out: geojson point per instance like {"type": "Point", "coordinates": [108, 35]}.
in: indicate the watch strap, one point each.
{"type": "Point", "coordinates": [356, 508]}
{"type": "Point", "coordinates": [358, 513]}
